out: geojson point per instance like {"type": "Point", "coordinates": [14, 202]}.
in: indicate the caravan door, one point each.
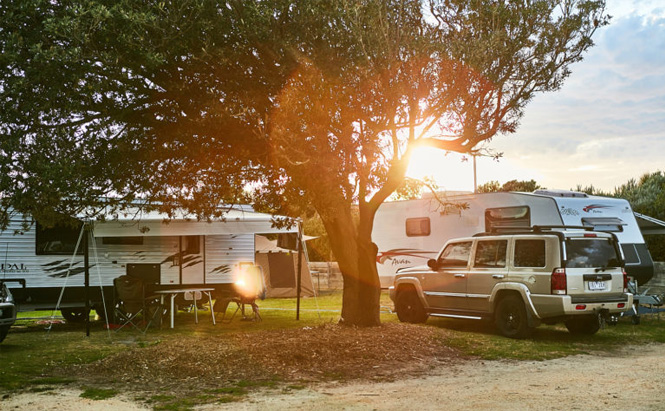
{"type": "Point", "coordinates": [191, 259]}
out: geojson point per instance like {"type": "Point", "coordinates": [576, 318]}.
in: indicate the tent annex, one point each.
{"type": "Point", "coordinates": [280, 267]}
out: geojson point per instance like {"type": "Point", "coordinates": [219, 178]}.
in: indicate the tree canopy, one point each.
{"type": "Point", "coordinates": [319, 104]}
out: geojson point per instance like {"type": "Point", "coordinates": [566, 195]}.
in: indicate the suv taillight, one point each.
{"type": "Point", "coordinates": [559, 284]}
{"type": "Point", "coordinates": [625, 281]}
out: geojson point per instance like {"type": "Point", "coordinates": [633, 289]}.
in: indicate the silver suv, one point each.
{"type": "Point", "coordinates": [520, 280]}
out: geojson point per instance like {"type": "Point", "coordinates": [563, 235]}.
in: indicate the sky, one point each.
{"type": "Point", "coordinates": [605, 126]}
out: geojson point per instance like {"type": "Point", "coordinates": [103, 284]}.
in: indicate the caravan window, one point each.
{"type": "Point", "coordinates": [191, 244]}
{"type": "Point", "coordinates": [507, 217]}
{"type": "Point", "coordinates": [630, 254]}
{"type": "Point", "coordinates": [58, 240]}
{"type": "Point", "coordinates": [417, 227]}
{"type": "Point", "coordinates": [610, 224]}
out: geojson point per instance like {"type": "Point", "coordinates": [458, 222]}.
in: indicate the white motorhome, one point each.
{"type": "Point", "coordinates": [410, 232]}
{"type": "Point", "coordinates": [169, 253]}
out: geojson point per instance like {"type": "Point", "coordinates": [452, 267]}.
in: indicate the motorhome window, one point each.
{"type": "Point", "coordinates": [609, 224]}
{"type": "Point", "coordinates": [58, 240]}
{"type": "Point", "coordinates": [122, 240]}
{"type": "Point", "coordinates": [417, 227]}
{"type": "Point", "coordinates": [589, 253]}
{"type": "Point", "coordinates": [490, 254]}
{"type": "Point", "coordinates": [455, 255]}
{"type": "Point", "coordinates": [529, 253]}
{"type": "Point", "coordinates": [507, 217]}
{"type": "Point", "coordinates": [630, 254]}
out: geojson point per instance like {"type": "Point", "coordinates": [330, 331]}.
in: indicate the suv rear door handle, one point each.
{"type": "Point", "coordinates": [460, 275]}
{"type": "Point", "coordinates": [498, 276]}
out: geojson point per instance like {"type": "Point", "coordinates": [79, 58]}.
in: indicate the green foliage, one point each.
{"type": "Point", "coordinates": [512, 185]}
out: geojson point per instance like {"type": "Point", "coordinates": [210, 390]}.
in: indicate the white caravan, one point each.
{"type": "Point", "coordinates": [410, 232]}
{"type": "Point", "coordinates": [170, 254]}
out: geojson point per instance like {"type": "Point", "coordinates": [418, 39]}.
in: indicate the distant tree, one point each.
{"type": "Point", "coordinates": [512, 185]}
{"type": "Point", "coordinates": [320, 104]}
{"type": "Point", "coordinates": [317, 249]}
{"type": "Point", "coordinates": [591, 190]}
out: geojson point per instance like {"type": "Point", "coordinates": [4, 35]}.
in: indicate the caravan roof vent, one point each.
{"type": "Point", "coordinates": [561, 193]}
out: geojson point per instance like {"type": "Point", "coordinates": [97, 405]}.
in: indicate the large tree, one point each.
{"type": "Point", "coordinates": [319, 103]}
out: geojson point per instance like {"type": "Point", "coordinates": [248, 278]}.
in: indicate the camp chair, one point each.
{"type": "Point", "coordinates": [133, 307]}
{"type": "Point", "coordinates": [249, 287]}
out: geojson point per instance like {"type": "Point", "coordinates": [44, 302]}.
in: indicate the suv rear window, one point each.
{"type": "Point", "coordinates": [529, 253]}
{"type": "Point", "coordinates": [591, 252]}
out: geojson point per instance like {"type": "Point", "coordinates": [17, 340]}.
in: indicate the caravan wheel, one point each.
{"type": "Point", "coordinates": [74, 315]}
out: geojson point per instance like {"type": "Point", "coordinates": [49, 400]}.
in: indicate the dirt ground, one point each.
{"type": "Point", "coordinates": [628, 380]}
{"type": "Point", "coordinates": [397, 366]}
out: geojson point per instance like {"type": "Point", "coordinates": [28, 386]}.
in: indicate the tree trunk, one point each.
{"type": "Point", "coordinates": [356, 256]}
{"type": "Point", "coordinates": [362, 289]}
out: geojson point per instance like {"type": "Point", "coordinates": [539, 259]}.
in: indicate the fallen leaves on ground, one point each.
{"type": "Point", "coordinates": [322, 353]}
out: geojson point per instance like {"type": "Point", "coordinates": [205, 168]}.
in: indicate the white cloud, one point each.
{"type": "Point", "coordinates": [607, 124]}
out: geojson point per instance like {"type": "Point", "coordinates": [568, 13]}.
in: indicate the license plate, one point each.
{"type": "Point", "coordinates": [597, 285]}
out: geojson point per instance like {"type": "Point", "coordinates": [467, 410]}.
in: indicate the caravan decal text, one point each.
{"type": "Point", "coordinates": [592, 207]}
{"type": "Point", "coordinates": [393, 255]}
{"type": "Point", "coordinates": [13, 268]}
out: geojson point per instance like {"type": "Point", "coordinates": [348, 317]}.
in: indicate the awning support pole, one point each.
{"type": "Point", "coordinates": [299, 275]}
{"type": "Point", "coordinates": [86, 265]}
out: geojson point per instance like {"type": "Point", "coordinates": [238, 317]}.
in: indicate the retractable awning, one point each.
{"type": "Point", "coordinates": [649, 225]}
{"type": "Point", "coordinates": [155, 224]}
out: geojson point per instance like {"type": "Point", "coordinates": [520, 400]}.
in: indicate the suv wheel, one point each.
{"type": "Point", "coordinates": [587, 325]}
{"type": "Point", "coordinates": [3, 332]}
{"type": "Point", "coordinates": [409, 308]}
{"type": "Point", "coordinates": [511, 319]}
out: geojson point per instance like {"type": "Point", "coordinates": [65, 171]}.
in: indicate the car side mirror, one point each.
{"type": "Point", "coordinates": [433, 264]}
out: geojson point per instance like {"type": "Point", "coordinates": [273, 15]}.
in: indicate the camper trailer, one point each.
{"type": "Point", "coordinates": [181, 251]}
{"type": "Point", "coordinates": [408, 233]}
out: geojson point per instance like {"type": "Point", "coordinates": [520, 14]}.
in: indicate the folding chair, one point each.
{"type": "Point", "coordinates": [249, 287]}
{"type": "Point", "coordinates": [133, 307]}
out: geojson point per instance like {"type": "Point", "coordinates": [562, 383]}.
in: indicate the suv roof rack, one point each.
{"type": "Point", "coordinates": [536, 229]}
